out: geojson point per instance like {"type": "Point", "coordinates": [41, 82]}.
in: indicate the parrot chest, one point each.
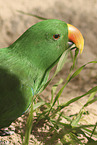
{"type": "Point", "coordinates": [19, 81]}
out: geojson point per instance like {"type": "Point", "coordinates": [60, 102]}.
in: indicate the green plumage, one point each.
{"type": "Point", "coordinates": [25, 66]}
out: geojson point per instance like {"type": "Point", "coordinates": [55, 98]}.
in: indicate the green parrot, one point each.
{"type": "Point", "coordinates": [25, 65]}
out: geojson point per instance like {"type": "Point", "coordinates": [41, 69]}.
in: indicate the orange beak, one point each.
{"type": "Point", "coordinates": [76, 37]}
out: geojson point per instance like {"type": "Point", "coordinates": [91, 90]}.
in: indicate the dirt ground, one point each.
{"type": "Point", "coordinates": [80, 13]}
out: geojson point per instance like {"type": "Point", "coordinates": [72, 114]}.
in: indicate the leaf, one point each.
{"type": "Point", "coordinates": [60, 64]}
{"type": "Point", "coordinates": [77, 98]}
{"type": "Point", "coordinates": [92, 143]}
{"type": "Point", "coordinates": [91, 96]}
{"type": "Point", "coordinates": [62, 61]}
{"type": "Point", "coordinates": [35, 106]}
{"type": "Point", "coordinates": [29, 14]}
{"type": "Point", "coordinates": [53, 90]}
{"type": "Point", "coordinates": [76, 121]}
{"type": "Point", "coordinates": [80, 69]}
{"type": "Point", "coordinates": [90, 102]}
{"type": "Point", "coordinates": [29, 125]}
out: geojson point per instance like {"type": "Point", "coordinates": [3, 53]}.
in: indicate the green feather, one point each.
{"type": "Point", "coordinates": [25, 65]}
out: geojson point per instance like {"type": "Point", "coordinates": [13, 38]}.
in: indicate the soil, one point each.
{"type": "Point", "coordinates": [80, 13]}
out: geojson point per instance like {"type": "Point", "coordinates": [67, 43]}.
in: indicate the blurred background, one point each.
{"type": "Point", "coordinates": [80, 13]}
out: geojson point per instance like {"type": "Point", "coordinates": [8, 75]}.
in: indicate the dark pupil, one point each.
{"type": "Point", "coordinates": [56, 35]}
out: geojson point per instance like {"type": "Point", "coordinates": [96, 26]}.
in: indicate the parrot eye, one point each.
{"type": "Point", "coordinates": [56, 36]}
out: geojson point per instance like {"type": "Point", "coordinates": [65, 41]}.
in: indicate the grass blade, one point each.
{"type": "Point", "coordinates": [62, 61]}
{"type": "Point", "coordinates": [77, 98]}
{"type": "Point", "coordinates": [28, 126]}
{"type": "Point", "coordinates": [29, 14]}
{"type": "Point", "coordinates": [35, 106]}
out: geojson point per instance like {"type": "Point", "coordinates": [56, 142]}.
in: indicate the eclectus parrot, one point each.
{"type": "Point", "coordinates": [25, 65]}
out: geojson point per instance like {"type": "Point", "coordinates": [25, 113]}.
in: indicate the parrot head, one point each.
{"type": "Point", "coordinates": [44, 43]}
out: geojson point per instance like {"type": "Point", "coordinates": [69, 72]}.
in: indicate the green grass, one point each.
{"type": "Point", "coordinates": [55, 127]}
{"type": "Point", "coordinates": [51, 114]}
